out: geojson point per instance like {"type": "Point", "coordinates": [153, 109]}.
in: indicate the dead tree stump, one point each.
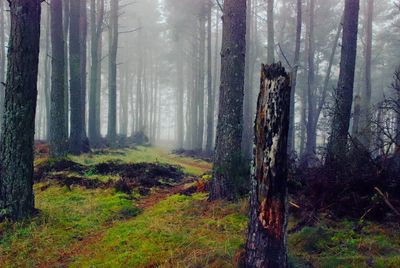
{"type": "Point", "coordinates": [266, 239]}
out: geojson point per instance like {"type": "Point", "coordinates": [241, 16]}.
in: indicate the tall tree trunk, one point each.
{"type": "Point", "coordinates": [194, 90]}
{"type": "Point", "coordinates": [99, 82]}
{"type": "Point", "coordinates": [201, 87]}
{"type": "Point", "coordinates": [216, 72]}
{"type": "Point", "coordinates": [124, 97]}
{"type": "Point", "coordinates": [337, 145]}
{"type": "Point", "coordinates": [229, 131]}
{"type": "Point", "coordinates": [266, 239]}
{"type": "Point", "coordinates": [356, 116]}
{"type": "Point", "coordinates": [16, 181]}
{"type": "Point", "coordinates": [96, 29]}
{"type": "Point", "coordinates": [132, 107]}
{"type": "Point", "coordinates": [291, 139]}
{"type": "Point", "coordinates": [66, 64]}
{"type": "Point", "coordinates": [330, 65]}
{"type": "Point", "coordinates": [112, 79]}
{"type": "Point", "coordinates": [271, 32]}
{"type": "Point", "coordinates": [47, 76]}
{"type": "Point", "coordinates": [311, 132]}
{"type": "Point", "coordinates": [248, 90]}
{"type": "Point", "coordinates": [179, 93]}
{"type": "Point", "coordinates": [210, 99]}
{"type": "Point", "coordinates": [57, 141]}
{"type": "Point", "coordinates": [83, 59]}
{"type": "Point", "coordinates": [365, 112]}
{"type": "Point", "coordinates": [304, 95]}
{"type": "Point", "coordinates": [76, 134]}
{"type": "Point", "coordinates": [139, 102]}
{"type": "Point", "coordinates": [93, 74]}
{"type": "Point", "coordinates": [2, 60]}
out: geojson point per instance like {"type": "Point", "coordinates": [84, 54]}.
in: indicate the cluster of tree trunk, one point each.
{"type": "Point", "coordinates": [266, 243]}
{"type": "Point", "coordinates": [195, 124]}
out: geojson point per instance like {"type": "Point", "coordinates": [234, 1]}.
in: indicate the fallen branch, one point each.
{"type": "Point", "coordinates": [386, 199]}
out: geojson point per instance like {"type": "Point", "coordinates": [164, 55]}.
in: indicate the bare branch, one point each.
{"type": "Point", "coordinates": [220, 6]}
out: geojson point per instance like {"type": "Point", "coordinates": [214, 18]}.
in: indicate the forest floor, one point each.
{"type": "Point", "coordinates": [108, 209]}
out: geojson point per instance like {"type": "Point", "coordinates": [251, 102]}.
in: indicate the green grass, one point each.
{"type": "Point", "coordinates": [343, 245]}
{"type": "Point", "coordinates": [65, 218]}
{"type": "Point", "coordinates": [102, 228]}
{"type": "Point", "coordinates": [180, 231]}
{"type": "Point", "coordinates": [147, 155]}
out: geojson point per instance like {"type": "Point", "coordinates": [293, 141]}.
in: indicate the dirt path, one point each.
{"type": "Point", "coordinates": [83, 247]}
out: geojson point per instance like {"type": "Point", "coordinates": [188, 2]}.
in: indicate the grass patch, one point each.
{"type": "Point", "coordinates": [344, 244]}
{"type": "Point", "coordinates": [145, 155]}
{"type": "Point", "coordinates": [65, 218]}
{"type": "Point", "coordinates": [180, 231]}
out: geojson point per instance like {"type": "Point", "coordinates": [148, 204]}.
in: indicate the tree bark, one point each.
{"type": "Point", "coordinates": [76, 134]}
{"type": "Point", "coordinates": [2, 60]}
{"type": "Point", "coordinates": [201, 87]}
{"type": "Point", "coordinates": [99, 83]}
{"type": "Point", "coordinates": [16, 182]}
{"type": "Point", "coordinates": [337, 145]}
{"type": "Point", "coordinates": [96, 30]}
{"type": "Point", "coordinates": [83, 58]}
{"type": "Point", "coordinates": [112, 97]}
{"type": "Point", "coordinates": [210, 99]}
{"type": "Point", "coordinates": [47, 77]}
{"type": "Point", "coordinates": [57, 141]}
{"type": "Point", "coordinates": [247, 142]}
{"type": "Point", "coordinates": [266, 239]}
{"type": "Point", "coordinates": [193, 128]}
{"type": "Point", "coordinates": [66, 65]}
{"type": "Point", "coordinates": [216, 72]}
{"type": "Point", "coordinates": [229, 131]}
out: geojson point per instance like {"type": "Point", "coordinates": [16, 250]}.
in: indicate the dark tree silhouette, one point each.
{"type": "Point", "coordinates": [229, 129]}
{"type": "Point", "coordinates": [16, 193]}
{"type": "Point", "coordinates": [112, 82]}
{"type": "Point", "coordinates": [96, 23]}
{"type": "Point", "coordinates": [76, 133]}
{"type": "Point", "coordinates": [337, 146]}
{"type": "Point", "coordinates": [57, 139]}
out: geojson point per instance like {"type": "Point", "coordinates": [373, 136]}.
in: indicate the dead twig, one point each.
{"type": "Point", "coordinates": [386, 199]}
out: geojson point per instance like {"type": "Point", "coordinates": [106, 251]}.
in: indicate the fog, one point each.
{"type": "Point", "coordinates": [164, 60]}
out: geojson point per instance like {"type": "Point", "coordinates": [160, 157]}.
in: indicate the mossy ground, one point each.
{"type": "Point", "coordinates": [78, 227]}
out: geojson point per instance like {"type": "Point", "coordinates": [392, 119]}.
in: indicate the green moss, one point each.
{"type": "Point", "coordinates": [343, 245]}
{"type": "Point", "coordinates": [65, 218]}
{"type": "Point", "coordinates": [179, 231]}
{"type": "Point", "coordinates": [146, 155]}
